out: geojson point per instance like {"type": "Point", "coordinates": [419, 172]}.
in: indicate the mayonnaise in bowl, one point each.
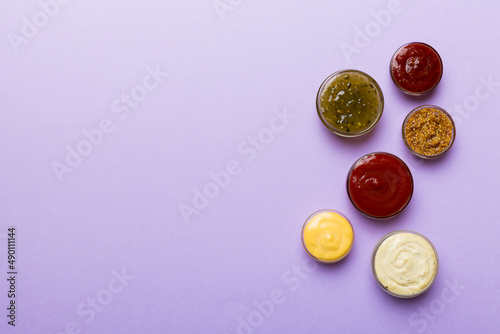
{"type": "Point", "coordinates": [405, 264]}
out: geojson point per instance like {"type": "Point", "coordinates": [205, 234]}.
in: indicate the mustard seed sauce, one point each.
{"type": "Point", "coordinates": [428, 131]}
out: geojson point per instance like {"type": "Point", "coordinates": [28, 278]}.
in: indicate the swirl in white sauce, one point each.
{"type": "Point", "coordinates": [405, 263]}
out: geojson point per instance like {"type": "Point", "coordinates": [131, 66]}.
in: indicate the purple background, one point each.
{"type": "Point", "coordinates": [228, 74]}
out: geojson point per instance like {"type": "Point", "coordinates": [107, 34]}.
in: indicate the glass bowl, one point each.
{"type": "Point", "coordinates": [405, 263]}
{"type": "Point", "coordinates": [428, 131]}
{"type": "Point", "coordinates": [327, 236]}
{"type": "Point", "coordinates": [416, 68]}
{"type": "Point", "coordinates": [349, 103]}
{"type": "Point", "coordinates": [380, 185]}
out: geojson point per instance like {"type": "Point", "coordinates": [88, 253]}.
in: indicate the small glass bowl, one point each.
{"type": "Point", "coordinates": [416, 92]}
{"type": "Point", "coordinates": [445, 114]}
{"type": "Point", "coordinates": [326, 84]}
{"type": "Point", "coordinates": [304, 243]}
{"type": "Point", "coordinates": [376, 276]}
{"type": "Point", "coordinates": [402, 167]}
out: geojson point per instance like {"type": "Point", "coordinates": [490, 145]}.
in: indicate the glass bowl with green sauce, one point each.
{"type": "Point", "coordinates": [349, 103]}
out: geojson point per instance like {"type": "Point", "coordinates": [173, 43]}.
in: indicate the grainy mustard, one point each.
{"type": "Point", "coordinates": [428, 131]}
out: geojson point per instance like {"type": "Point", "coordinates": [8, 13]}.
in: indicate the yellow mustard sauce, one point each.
{"type": "Point", "coordinates": [327, 236]}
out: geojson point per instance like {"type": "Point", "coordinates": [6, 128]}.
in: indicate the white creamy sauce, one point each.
{"type": "Point", "coordinates": [405, 263]}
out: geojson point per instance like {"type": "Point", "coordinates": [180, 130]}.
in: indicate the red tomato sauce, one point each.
{"type": "Point", "coordinates": [380, 185]}
{"type": "Point", "coordinates": [416, 68]}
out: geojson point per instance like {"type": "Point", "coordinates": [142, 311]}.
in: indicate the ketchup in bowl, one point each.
{"type": "Point", "coordinates": [416, 68]}
{"type": "Point", "coordinates": [380, 185]}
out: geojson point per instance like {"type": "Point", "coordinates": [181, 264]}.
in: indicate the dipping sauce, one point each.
{"type": "Point", "coordinates": [428, 131]}
{"type": "Point", "coordinates": [349, 103]}
{"type": "Point", "coordinates": [416, 68]}
{"type": "Point", "coordinates": [405, 263]}
{"type": "Point", "coordinates": [380, 185]}
{"type": "Point", "coordinates": [327, 236]}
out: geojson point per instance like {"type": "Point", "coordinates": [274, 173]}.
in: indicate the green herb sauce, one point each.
{"type": "Point", "coordinates": [350, 103]}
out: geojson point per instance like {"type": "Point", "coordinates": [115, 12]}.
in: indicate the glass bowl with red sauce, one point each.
{"type": "Point", "coordinates": [416, 68]}
{"type": "Point", "coordinates": [380, 185]}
